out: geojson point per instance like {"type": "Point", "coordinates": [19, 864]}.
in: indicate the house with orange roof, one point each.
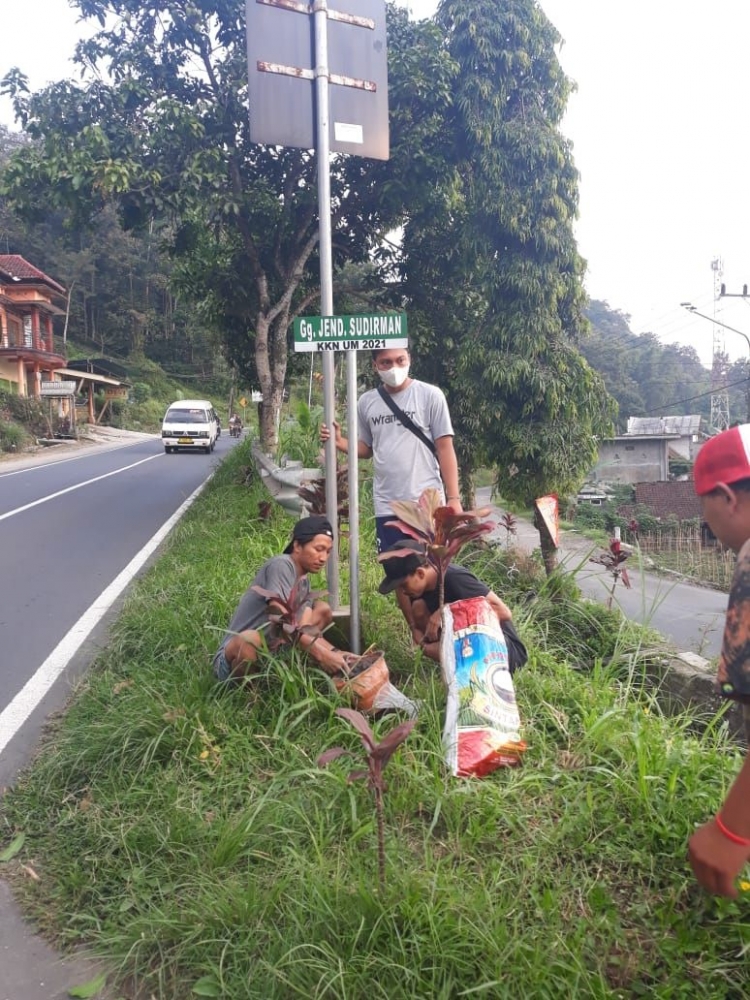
{"type": "Point", "coordinates": [29, 302]}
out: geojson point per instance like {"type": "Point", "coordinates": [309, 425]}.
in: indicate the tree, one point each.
{"type": "Point", "coordinates": [492, 266]}
{"type": "Point", "coordinates": [647, 377]}
{"type": "Point", "coordinates": [161, 129]}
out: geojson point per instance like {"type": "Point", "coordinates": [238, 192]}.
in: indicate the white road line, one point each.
{"type": "Point", "coordinates": [78, 486]}
{"type": "Point", "coordinates": [99, 450]}
{"type": "Point", "coordinates": [17, 711]}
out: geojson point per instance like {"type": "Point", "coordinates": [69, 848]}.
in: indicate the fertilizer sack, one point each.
{"type": "Point", "coordinates": [482, 724]}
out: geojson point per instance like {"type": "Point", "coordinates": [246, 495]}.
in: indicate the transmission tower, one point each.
{"type": "Point", "coordinates": [719, 393]}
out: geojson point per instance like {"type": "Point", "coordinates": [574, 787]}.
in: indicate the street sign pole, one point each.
{"type": "Point", "coordinates": [343, 108]}
{"type": "Point", "coordinates": [320, 15]}
{"type": "Point", "coordinates": [353, 432]}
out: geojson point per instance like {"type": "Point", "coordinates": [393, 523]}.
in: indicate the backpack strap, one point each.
{"type": "Point", "coordinates": [405, 420]}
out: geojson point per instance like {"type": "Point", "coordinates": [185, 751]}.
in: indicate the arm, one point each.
{"type": "Point", "coordinates": [448, 463]}
{"type": "Point", "coordinates": [715, 859]}
{"type": "Point", "coordinates": [499, 606]}
{"type": "Point", "coordinates": [342, 443]}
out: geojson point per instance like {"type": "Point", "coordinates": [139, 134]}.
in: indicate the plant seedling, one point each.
{"type": "Point", "coordinates": [378, 755]}
{"type": "Point", "coordinates": [443, 531]}
{"type": "Point", "coordinates": [613, 559]}
{"type": "Point", "coordinates": [285, 615]}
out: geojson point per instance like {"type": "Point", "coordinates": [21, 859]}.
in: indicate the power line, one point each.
{"type": "Point", "coordinates": [689, 399]}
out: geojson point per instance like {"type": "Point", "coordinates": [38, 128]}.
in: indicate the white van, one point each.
{"type": "Point", "coordinates": [190, 423]}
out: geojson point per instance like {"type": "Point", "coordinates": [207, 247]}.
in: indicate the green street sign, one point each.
{"type": "Point", "coordinates": [350, 333]}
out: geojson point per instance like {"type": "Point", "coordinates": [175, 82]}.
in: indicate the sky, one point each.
{"type": "Point", "coordinates": [658, 134]}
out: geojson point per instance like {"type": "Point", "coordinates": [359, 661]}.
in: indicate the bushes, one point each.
{"type": "Point", "coordinates": [24, 410]}
{"type": "Point", "coordinates": [12, 437]}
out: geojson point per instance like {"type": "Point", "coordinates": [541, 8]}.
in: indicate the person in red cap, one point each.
{"type": "Point", "coordinates": [721, 847]}
{"type": "Point", "coordinates": [307, 552]}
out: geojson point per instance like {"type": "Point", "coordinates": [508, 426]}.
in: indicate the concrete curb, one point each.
{"type": "Point", "coordinates": [688, 681]}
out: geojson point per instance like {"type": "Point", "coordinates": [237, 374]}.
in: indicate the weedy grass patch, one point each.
{"type": "Point", "coordinates": [185, 832]}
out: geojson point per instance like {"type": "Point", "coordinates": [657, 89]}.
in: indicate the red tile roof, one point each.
{"type": "Point", "coordinates": [16, 266]}
{"type": "Point", "coordinates": [673, 499]}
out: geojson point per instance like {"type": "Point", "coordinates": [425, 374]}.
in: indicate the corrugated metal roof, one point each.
{"type": "Point", "coordinates": [685, 426]}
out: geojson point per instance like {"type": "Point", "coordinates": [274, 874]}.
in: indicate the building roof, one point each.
{"type": "Point", "coordinates": [673, 499]}
{"type": "Point", "coordinates": [16, 268]}
{"type": "Point", "coordinates": [99, 366]}
{"type": "Point", "coordinates": [685, 426]}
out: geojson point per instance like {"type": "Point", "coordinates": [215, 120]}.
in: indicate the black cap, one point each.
{"type": "Point", "coordinates": [399, 567]}
{"type": "Point", "coordinates": [306, 529]}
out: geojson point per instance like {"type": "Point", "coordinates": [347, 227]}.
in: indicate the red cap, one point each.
{"type": "Point", "coordinates": [723, 459]}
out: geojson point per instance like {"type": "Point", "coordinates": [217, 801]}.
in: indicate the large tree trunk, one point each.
{"type": "Point", "coordinates": [270, 362]}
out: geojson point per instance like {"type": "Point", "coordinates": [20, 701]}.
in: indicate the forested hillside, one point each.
{"type": "Point", "coordinates": [648, 378]}
{"type": "Point", "coordinates": [123, 303]}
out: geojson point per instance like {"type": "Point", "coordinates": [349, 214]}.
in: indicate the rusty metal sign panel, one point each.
{"type": "Point", "coordinates": [281, 76]}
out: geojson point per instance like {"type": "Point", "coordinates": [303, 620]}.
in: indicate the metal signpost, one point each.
{"type": "Point", "coordinates": [291, 62]}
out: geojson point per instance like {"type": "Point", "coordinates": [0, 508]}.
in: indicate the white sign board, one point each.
{"type": "Point", "coordinates": [58, 388]}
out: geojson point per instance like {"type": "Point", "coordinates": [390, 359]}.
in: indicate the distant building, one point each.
{"type": "Point", "coordinates": [594, 494]}
{"type": "Point", "coordinates": [29, 301]}
{"type": "Point", "coordinates": [642, 455]}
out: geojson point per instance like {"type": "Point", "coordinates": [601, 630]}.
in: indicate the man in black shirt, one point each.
{"type": "Point", "coordinates": [419, 580]}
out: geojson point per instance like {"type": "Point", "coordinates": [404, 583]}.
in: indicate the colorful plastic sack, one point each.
{"type": "Point", "coordinates": [482, 724]}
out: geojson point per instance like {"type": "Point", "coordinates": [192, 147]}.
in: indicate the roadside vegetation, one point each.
{"type": "Point", "coordinates": [672, 545]}
{"type": "Point", "coordinates": [23, 419]}
{"type": "Point", "coordinates": [186, 833]}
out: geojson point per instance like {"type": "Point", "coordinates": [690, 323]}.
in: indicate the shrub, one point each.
{"type": "Point", "coordinates": [140, 392]}
{"type": "Point", "coordinates": [24, 410]}
{"type": "Point", "coordinates": [12, 437]}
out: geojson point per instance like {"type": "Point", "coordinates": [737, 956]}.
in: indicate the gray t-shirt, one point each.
{"type": "Point", "coordinates": [278, 575]}
{"type": "Point", "coordinates": [402, 465]}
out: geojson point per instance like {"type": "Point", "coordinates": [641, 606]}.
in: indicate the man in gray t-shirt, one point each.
{"type": "Point", "coordinates": [403, 464]}
{"type": "Point", "coordinates": [307, 552]}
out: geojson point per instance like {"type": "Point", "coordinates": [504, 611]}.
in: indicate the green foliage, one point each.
{"type": "Point", "coordinates": [491, 267]}
{"type": "Point", "coordinates": [185, 831]}
{"type": "Point", "coordinates": [647, 377]}
{"type": "Point", "coordinates": [299, 436]}
{"type": "Point", "coordinates": [25, 410]}
{"type": "Point", "coordinates": [140, 392]}
{"type": "Point", "coordinates": [586, 515]}
{"type": "Point", "coordinates": [165, 142]}
{"type": "Point", "coordinates": [12, 437]}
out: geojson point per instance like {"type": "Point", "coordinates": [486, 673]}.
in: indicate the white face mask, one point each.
{"type": "Point", "coordinates": [394, 377]}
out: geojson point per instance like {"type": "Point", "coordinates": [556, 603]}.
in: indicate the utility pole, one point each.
{"type": "Point", "coordinates": [719, 393]}
{"type": "Point", "coordinates": [691, 309]}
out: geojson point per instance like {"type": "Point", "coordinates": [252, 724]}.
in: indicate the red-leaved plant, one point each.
{"type": "Point", "coordinates": [285, 614]}
{"type": "Point", "coordinates": [442, 531]}
{"type": "Point", "coordinates": [613, 559]}
{"type": "Point", "coordinates": [378, 755]}
{"type": "Point", "coordinates": [510, 523]}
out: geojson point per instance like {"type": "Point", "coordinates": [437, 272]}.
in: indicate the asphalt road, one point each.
{"type": "Point", "coordinates": [70, 529]}
{"type": "Point", "coordinates": [67, 530]}
{"type": "Point", "coordinates": [690, 616]}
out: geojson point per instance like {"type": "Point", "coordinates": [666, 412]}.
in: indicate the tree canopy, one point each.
{"type": "Point", "coordinates": [160, 128]}
{"type": "Point", "coordinates": [492, 267]}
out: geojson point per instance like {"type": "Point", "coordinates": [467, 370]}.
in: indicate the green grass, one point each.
{"type": "Point", "coordinates": [186, 833]}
